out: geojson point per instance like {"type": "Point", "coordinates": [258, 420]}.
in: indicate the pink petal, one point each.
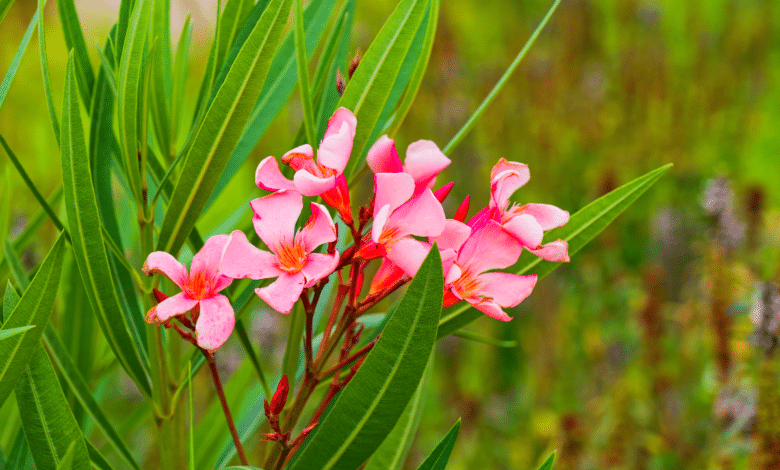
{"type": "Point", "coordinates": [526, 230]}
{"type": "Point", "coordinates": [452, 270]}
{"type": "Point", "coordinates": [319, 265]}
{"type": "Point", "coordinates": [383, 157]}
{"type": "Point", "coordinates": [282, 294]}
{"type": "Point", "coordinates": [242, 260]}
{"type": "Point", "coordinates": [380, 220]}
{"type": "Point", "coordinates": [506, 178]}
{"type": "Point", "coordinates": [556, 251]}
{"type": "Point", "coordinates": [275, 217]}
{"type": "Point", "coordinates": [408, 254]}
{"type": "Point", "coordinates": [300, 158]}
{"type": "Point", "coordinates": [209, 259]}
{"type": "Point", "coordinates": [268, 176]}
{"type": "Point", "coordinates": [422, 216]}
{"type": "Point", "coordinates": [491, 309]}
{"type": "Point", "coordinates": [335, 149]}
{"type": "Point", "coordinates": [548, 216]}
{"type": "Point", "coordinates": [174, 305]}
{"type": "Point", "coordinates": [163, 263]}
{"type": "Point", "coordinates": [490, 247]}
{"type": "Point", "coordinates": [311, 185]}
{"type": "Point", "coordinates": [392, 189]}
{"type": "Point", "coordinates": [506, 289]}
{"type": "Point", "coordinates": [222, 282]}
{"type": "Point", "coordinates": [341, 116]}
{"type": "Point", "coordinates": [482, 217]}
{"type": "Point", "coordinates": [424, 161]}
{"type": "Point", "coordinates": [319, 229]}
{"type": "Point", "coordinates": [215, 322]}
{"type": "Point", "coordinates": [454, 235]}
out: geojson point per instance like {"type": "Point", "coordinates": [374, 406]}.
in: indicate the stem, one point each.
{"type": "Point", "coordinates": [345, 362]}
{"type": "Point", "coordinates": [218, 385]}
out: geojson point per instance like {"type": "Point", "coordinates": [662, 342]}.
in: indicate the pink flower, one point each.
{"type": "Point", "coordinates": [424, 161]}
{"type": "Point", "coordinates": [291, 259]}
{"type": "Point", "coordinates": [325, 177]}
{"type": "Point", "coordinates": [199, 289]}
{"type": "Point", "coordinates": [527, 223]}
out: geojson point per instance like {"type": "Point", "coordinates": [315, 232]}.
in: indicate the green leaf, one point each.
{"type": "Point", "coordinates": [74, 40]}
{"type": "Point", "coordinates": [125, 10]}
{"type": "Point", "coordinates": [370, 86]}
{"type": "Point", "coordinates": [191, 430]}
{"type": "Point", "coordinates": [17, 270]}
{"type": "Point", "coordinates": [392, 453]}
{"type": "Point", "coordinates": [129, 97]}
{"type": "Point", "coordinates": [419, 69]}
{"type": "Point", "coordinates": [278, 86]}
{"type": "Point", "coordinates": [11, 72]}
{"type": "Point", "coordinates": [486, 340]}
{"type": "Point", "coordinates": [5, 334]}
{"type": "Point", "coordinates": [222, 125]}
{"type": "Point", "coordinates": [161, 83]}
{"type": "Point", "coordinates": [96, 458]}
{"type": "Point", "coordinates": [78, 385]}
{"type": "Point", "coordinates": [179, 80]}
{"type": "Point", "coordinates": [373, 401]}
{"type": "Point", "coordinates": [45, 70]}
{"type": "Point", "coordinates": [548, 464]}
{"type": "Point", "coordinates": [243, 467]}
{"type": "Point", "coordinates": [437, 460]}
{"type": "Point", "coordinates": [581, 229]}
{"type": "Point", "coordinates": [19, 457]}
{"type": "Point", "coordinates": [231, 20]}
{"type": "Point", "coordinates": [47, 420]}
{"type": "Point", "coordinates": [302, 60]}
{"type": "Point", "coordinates": [67, 460]}
{"type": "Point", "coordinates": [87, 237]}
{"type": "Point", "coordinates": [500, 84]}
{"type": "Point", "coordinates": [34, 308]}
{"type": "Point", "coordinates": [4, 6]}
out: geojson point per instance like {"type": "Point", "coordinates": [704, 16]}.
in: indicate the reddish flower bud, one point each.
{"type": "Point", "coordinates": [353, 64]}
{"type": "Point", "coordinates": [340, 83]}
{"type": "Point", "coordinates": [463, 210]}
{"type": "Point", "coordinates": [442, 193]}
{"type": "Point", "coordinates": [159, 296]}
{"type": "Point", "coordinates": [280, 397]}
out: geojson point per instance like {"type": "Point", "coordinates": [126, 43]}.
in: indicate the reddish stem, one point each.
{"type": "Point", "coordinates": [218, 384]}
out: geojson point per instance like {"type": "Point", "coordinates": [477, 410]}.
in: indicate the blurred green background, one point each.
{"type": "Point", "coordinates": [634, 356]}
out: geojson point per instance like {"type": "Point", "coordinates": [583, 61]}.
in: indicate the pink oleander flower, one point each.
{"type": "Point", "coordinates": [291, 259]}
{"type": "Point", "coordinates": [324, 177]}
{"type": "Point", "coordinates": [200, 289]}
{"type": "Point", "coordinates": [424, 161]}
{"type": "Point", "coordinates": [466, 257]}
{"type": "Point", "coordinates": [398, 214]}
{"type": "Point", "coordinates": [527, 223]}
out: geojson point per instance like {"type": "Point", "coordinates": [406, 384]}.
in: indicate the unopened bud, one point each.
{"type": "Point", "coordinates": [463, 210]}
{"type": "Point", "coordinates": [280, 397]}
{"type": "Point", "coordinates": [159, 296]}
{"type": "Point", "coordinates": [765, 314]}
{"type": "Point", "coordinates": [442, 193]}
{"type": "Point", "coordinates": [340, 84]}
{"type": "Point", "coordinates": [353, 64]}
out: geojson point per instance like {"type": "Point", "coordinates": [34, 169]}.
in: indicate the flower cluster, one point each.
{"type": "Point", "coordinates": [398, 227]}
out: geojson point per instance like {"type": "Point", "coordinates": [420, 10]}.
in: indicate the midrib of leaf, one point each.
{"type": "Point", "coordinates": [384, 56]}
{"type": "Point", "coordinates": [381, 393]}
{"type": "Point", "coordinates": [21, 340]}
{"type": "Point", "coordinates": [407, 430]}
{"type": "Point", "coordinates": [34, 391]}
{"type": "Point", "coordinates": [226, 122]}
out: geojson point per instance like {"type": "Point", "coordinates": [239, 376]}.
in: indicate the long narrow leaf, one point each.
{"type": "Point", "coordinates": [581, 229]}
{"type": "Point", "coordinates": [80, 389]}
{"type": "Point", "coordinates": [45, 70]}
{"type": "Point", "coordinates": [74, 40]}
{"type": "Point", "coordinates": [11, 72]}
{"type": "Point", "coordinates": [302, 60]}
{"type": "Point", "coordinates": [222, 126]}
{"type": "Point", "coordinates": [47, 420]}
{"type": "Point", "coordinates": [548, 464]}
{"type": "Point", "coordinates": [10, 332]}
{"type": "Point", "coordinates": [437, 460]}
{"type": "Point", "coordinates": [34, 308]}
{"type": "Point", "coordinates": [370, 86]}
{"type": "Point", "coordinates": [4, 6]}
{"type": "Point", "coordinates": [373, 401]}
{"type": "Point", "coordinates": [278, 86]}
{"type": "Point", "coordinates": [97, 459]}
{"type": "Point", "coordinates": [87, 237]}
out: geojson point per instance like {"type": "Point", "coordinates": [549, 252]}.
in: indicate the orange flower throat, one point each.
{"type": "Point", "coordinates": [292, 258]}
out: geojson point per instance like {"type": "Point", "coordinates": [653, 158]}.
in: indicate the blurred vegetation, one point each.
{"type": "Point", "coordinates": [637, 354]}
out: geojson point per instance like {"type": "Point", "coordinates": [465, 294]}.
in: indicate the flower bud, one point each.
{"type": "Point", "coordinates": [353, 64]}
{"type": "Point", "coordinates": [340, 84]}
{"type": "Point", "coordinates": [280, 397]}
{"type": "Point", "coordinates": [442, 193]}
{"type": "Point", "coordinates": [159, 296]}
{"type": "Point", "coordinates": [463, 210]}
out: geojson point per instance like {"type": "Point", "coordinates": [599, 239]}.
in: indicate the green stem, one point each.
{"type": "Point", "coordinates": [303, 73]}
{"type": "Point", "coordinates": [500, 85]}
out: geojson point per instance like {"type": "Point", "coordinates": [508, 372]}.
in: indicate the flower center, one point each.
{"type": "Point", "coordinates": [200, 285]}
{"type": "Point", "coordinates": [389, 237]}
{"type": "Point", "coordinates": [467, 285]}
{"type": "Point", "coordinates": [292, 258]}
